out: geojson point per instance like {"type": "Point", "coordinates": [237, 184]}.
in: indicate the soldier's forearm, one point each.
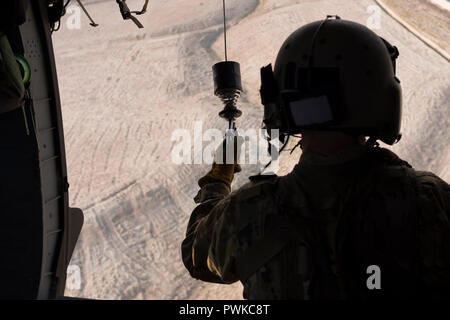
{"type": "Point", "coordinates": [196, 244]}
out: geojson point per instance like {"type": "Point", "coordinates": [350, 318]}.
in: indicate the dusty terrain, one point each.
{"type": "Point", "coordinates": [124, 91]}
{"type": "Point", "coordinates": [428, 19]}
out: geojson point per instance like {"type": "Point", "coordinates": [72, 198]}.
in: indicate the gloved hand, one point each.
{"type": "Point", "coordinates": [223, 170]}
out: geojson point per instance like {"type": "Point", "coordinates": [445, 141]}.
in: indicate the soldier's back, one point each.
{"type": "Point", "coordinates": [332, 221]}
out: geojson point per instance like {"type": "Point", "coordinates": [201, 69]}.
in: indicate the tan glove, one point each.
{"type": "Point", "coordinates": [223, 170]}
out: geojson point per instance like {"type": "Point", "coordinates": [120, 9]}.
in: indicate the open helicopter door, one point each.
{"type": "Point", "coordinates": [38, 230]}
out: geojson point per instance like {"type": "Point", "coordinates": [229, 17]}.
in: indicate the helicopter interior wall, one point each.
{"type": "Point", "coordinates": [20, 208]}
{"type": "Point", "coordinates": [33, 188]}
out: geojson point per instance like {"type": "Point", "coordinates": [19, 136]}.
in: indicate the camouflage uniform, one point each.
{"type": "Point", "coordinates": [312, 233]}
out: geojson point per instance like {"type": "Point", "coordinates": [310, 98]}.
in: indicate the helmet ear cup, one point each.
{"type": "Point", "coordinates": [393, 53]}
{"type": "Point", "coordinates": [390, 134]}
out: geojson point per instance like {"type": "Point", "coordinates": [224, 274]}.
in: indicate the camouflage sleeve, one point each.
{"type": "Point", "coordinates": [434, 235]}
{"type": "Point", "coordinates": [224, 227]}
{"type": "Point", "coordinates": [213, 200]}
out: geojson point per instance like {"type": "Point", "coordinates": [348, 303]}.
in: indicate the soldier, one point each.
{"type": "Point", "coordinates": [348, 206]}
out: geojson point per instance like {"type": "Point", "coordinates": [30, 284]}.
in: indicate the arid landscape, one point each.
{"type": "Point", "coordinates": [125, 90]}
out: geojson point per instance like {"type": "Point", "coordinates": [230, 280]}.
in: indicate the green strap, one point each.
{"type": "Point", "coordinates": [25, 69]}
